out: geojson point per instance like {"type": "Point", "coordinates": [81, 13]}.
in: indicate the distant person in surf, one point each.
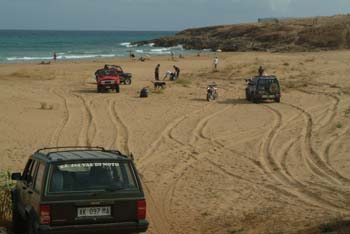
{"type": "Point", "coordinates": [156, 72]}
{"type": "Point", "coordinates": [54, 56]}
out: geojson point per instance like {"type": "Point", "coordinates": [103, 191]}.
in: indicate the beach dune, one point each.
{"type": "Point", "coordinates": [227, 166]}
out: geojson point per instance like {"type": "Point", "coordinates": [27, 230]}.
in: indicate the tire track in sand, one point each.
{"type": "Point", "coordinates": [88, 120]}
{"type": "Point", "coordinates": [54, 140]}
{"type": "Point", "coordinates": [121, 139]}
{"type": "Point", "coordinates": [168, 197]}
{"type": "Point", "coordinates": [311, 156]}
{"type": "Point", "coordinates": [114, 125]}
{"type": "Point", "coordinates": [167, 132]}
{"type": "Point", "coordinates": [331, 113]}
{"type": "Point", "coordinates": [273, 170]}
{"type": "Point", "coordinates": [327, 147]}
{"type": "Point", "coordinates": [154, 214]}
{"type": "Point", "coordinates": [199, 134]}
{"type": "Point", "coordinates": [325, 152]}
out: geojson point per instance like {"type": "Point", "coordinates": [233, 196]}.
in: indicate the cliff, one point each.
{"type": "Point", "coordinates": [304, 34]}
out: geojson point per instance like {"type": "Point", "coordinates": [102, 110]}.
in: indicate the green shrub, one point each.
{"type": "Point", "coordinates": [6, 184]}
{"type": "Point", "coordinates": [339, 125]}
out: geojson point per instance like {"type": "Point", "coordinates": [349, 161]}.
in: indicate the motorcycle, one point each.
{"type": "Point", "coordinates": [212, 92]}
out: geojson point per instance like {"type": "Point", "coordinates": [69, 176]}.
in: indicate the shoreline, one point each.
{"type": "Point", "coordinates": [155, 57]}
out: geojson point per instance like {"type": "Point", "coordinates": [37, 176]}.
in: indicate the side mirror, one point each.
{"type": "Point", "coordinates": [16, 176]}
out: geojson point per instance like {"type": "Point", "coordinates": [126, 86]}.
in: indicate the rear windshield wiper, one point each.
{"type": "Point", "coordinates": [111, 189]}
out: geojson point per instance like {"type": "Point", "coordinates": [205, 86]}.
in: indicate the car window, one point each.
{"type": "Point", "coordinates": [92, 176]}
{"type": "Point", "coordinates": [39, 177]}
{"type": "Point", "coordinates": [267, 81]}
{"type": "Point", "coordinates": [29, 172]}
{"type": "Point", "coordinates": [109, 72]}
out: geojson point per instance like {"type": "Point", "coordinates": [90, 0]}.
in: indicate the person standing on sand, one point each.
{"type": "Point", "coordinates": [216, 63]}
{"type": "Point", "coordinates": [156, 72]}
{"type": "Point", "coordinates": [177, 71]}
{"type": "Point", "coordinates": [261, 71]}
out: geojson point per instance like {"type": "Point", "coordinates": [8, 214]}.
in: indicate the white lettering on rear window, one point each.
{"type": "Point", "coordinates": [88, 165]}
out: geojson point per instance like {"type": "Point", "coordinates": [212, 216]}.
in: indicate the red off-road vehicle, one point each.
{"type": "Point", "coordinates": [107, 79]}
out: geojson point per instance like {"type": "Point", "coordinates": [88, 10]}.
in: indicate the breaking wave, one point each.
{"type": "Point", "coordinates": [62, 56]}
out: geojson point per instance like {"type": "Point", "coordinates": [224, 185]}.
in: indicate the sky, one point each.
{"type": "Point", "coordinates": [173, 15]}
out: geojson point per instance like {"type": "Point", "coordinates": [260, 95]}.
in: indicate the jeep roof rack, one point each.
{"type": "Point", "coordinates": [66, 148]}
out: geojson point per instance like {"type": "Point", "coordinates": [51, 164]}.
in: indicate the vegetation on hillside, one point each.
{"type": "Point", "coordinates": [305, 34]}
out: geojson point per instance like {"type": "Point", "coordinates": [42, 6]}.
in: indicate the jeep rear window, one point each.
{"type": "Point", "coordinates": [92, 176]}
{"type": "Point", "coordinates": [266, 82]}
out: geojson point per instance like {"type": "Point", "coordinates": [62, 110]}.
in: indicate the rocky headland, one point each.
{"type": "Point", "coordinates": [304, 34]}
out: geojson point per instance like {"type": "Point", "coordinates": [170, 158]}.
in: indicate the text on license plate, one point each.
{"type": "Point", "coordinates": [94, 211]}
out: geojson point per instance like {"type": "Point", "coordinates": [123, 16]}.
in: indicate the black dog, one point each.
{"type": "Point", "coordinates": [159, 84]}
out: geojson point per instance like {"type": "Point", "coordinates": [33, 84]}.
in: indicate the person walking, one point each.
{"type": "Point", "coordinates": [156, 72]}
{"type": "Point", "coordinates": [216, 63]}
{"type": "Point", "coordinates": [54, 56]}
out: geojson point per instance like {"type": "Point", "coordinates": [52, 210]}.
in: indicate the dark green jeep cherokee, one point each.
{"type": "Point", "coordinates": [78, 190]}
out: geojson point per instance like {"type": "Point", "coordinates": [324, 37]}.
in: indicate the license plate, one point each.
{"type": "Point", "coordinates": [94, 211]}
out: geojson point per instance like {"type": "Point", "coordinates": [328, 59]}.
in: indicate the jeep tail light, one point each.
{"type": "Point", "coordinates": [141, 209]}
{"type": "Point", "coordinates": [44, 214]}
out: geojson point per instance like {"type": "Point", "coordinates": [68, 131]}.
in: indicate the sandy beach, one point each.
{"type": "Point", "coordinates": [227, 166]}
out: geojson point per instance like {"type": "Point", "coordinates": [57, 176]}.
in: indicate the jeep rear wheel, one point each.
{"type": "Point", "coordinates": [18, 224]}
{"type": "Point", "coordinates": [117, 89]}
{"type": "Point", "coordinates": [127, 81]}
{"type": "Point", "coordinates": [31, 226]}
{"type": "Point", "coordinates": [277, 99]}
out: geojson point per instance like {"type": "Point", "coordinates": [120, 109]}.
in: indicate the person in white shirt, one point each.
{"type": "Point", "coordinates": [216, 63]}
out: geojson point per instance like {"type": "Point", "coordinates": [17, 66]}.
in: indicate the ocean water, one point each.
{"type": "Point", "coordinates": [27, 45]}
